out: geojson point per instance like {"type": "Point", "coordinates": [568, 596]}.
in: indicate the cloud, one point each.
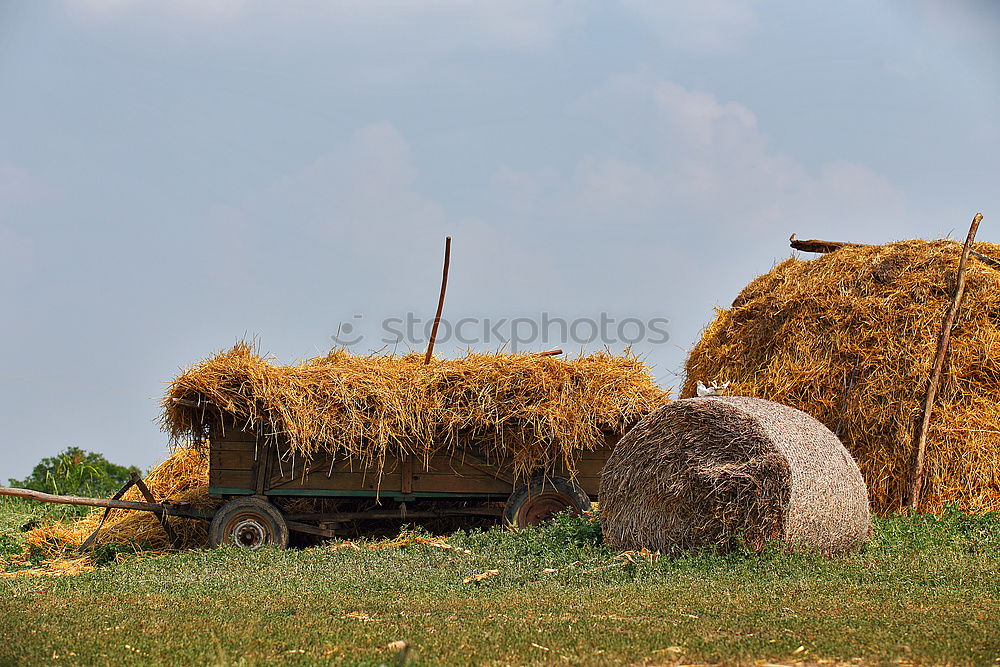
{"type": "Point", "coordinates": [688, 202]}
{"type": "Point", "coordinates": [359, 191]}
{"type": "Point", "coordinates": [340, 213]}
{"type": "Point", "coordinates": [356, 216]}
{"type": "Point", "coordinates": [690, 155]}
{"type": "Point", "coordinates": [704, 26]}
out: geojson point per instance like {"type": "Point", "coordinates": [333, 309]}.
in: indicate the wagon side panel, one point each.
{"type": "Point", "coordinates": [588, 470]}
{"type": "Point", "coordinates": [230, 470]}
{"type": "Point", "coordinates": [242, 463]}
{"type": "Point", "coordinates": [439, 476]}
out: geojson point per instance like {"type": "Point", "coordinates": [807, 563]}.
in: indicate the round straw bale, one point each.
{"type": "Point", "coordinates": [721, 472]}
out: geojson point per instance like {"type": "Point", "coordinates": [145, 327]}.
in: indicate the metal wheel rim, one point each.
{"type": "Point", "coordinates": [249, 533]}
{"type": "Point", "coordinates": [542, 507]}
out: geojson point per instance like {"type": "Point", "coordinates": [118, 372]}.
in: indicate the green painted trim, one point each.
{"type": "Point", "coordinates": [375, 494]}
{"type": "Point", "coordinates": [216, 491]}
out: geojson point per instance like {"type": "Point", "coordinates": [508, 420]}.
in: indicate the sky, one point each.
{"type": "Point", "coordinates": [176, 177]}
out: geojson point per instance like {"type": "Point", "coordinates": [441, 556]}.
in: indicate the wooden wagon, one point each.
{"type": "Point", "coordinates": [256, 473]}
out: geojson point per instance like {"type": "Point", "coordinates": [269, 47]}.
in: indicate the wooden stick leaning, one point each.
{"type": "Point", "coordinates": [80, 500]}
{"type": "Point", "coordinates": [917, 479]}
{"type": "Point", "coordinates": [437, 316]}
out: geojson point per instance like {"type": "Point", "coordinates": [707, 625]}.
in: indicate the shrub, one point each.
{"type": "Point", "coordinates": [76, 472]}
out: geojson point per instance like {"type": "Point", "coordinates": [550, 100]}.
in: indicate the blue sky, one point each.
{"type": "Point", "coordinates": [178, 176]}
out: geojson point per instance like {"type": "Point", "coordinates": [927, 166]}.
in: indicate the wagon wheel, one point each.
{"type": "Point", "coordinates": [540, 499]}
{"type": "Point", "coordinates": [248, 523]}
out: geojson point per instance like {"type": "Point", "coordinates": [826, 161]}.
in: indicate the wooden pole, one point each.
{"type": "Point", "coordinates": [814, 245]}
{"type": "Point", "coordinates": [917, 481]}
{"type": "Point", "coordinates": [78, 500]}
{"type": "Point", "coordinates": [821, 247]}
{"type": "Point", "coordinates": [148, 495]}
{"type": "Point", "coordinates": [989, 261]}
{"type": "Point", "coordinates": [437, 316]}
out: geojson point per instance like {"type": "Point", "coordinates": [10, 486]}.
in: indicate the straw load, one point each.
{"type": "Point", "coordinates": [850, 338]}
{"type": "Point", "coordinates": [182, 477]}
{"type": "Point", "coordinates": [725, 473]}
{"type": "Point", "coordinates": [534, 411]}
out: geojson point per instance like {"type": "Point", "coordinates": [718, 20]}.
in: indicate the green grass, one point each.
{"type": "Point", "coordinates": [925, 590]}
{"type": "Point", "coordinates": [18, 515]}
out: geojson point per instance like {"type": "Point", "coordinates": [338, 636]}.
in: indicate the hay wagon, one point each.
{"type": "Point", "coordinates": [259, 478]}
{"type": "Point", "coordinates": [258, 474]}
{"type": "Point", "coordinates": [515, 437]}
{"type": "Point", "coordinates": [313, 447]}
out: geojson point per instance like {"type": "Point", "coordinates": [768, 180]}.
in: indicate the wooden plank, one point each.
{"type": "Point", "coordinates": [390, 495]}
{"type": "Point", "coordinates": [236, 479]}
{"type": "Point", "coordinates": [228, 429]}
{"type": "Point", "coordinates": [231, 433]}
{"type": "Point", "coordinates": [242, 448]}
{"type": "Point", "coordinates": [355, 481]}
{"type": "Point", "coordinates": [327, 517]}
{"type": "Point", "coordinates": [469, 459]}
{"type": "Point", "coordinates": [371, 480]}
{"type": "Point", "coordinates": [232, 459]}
{"type": "Point", "coordinates": [591, 485]}
{"type": "Point", "coordinates": [281, 470]}
{"type": "Point", "coordinates": [312, 530]}
{"type": "Point", "coordinates": [461, 465]}
{"type": "Point", "coordinates": [611, 439]}
{"type": "Point", "coordinates": [601, 454]}
{"type": "Point", "coordinates": [441, 475]}
{"type": "Point", "coordinates": [261, 472]}
{"type": "Point", "coordinates": [406, 474]}
{"type": "Point", "coordinates": [431, 483]}
{"type": "Point", "coordinates": [590, 468]}
{"type": "Point", "coordinates": [268, 466]}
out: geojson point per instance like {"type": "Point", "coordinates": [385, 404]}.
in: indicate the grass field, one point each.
{"type": "Point", "coordinates": [925, 591]}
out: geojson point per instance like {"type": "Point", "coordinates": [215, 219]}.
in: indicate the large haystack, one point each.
{"type": "Point", "coordinates": [720, 473]}
{"type": "Point", "coordinates": [849, 337]}
{"type": "Point", "coordinates": [533, 410]}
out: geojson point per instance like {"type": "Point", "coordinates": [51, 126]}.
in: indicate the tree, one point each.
{"type": "Point", "coordinates": [76, 472]}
